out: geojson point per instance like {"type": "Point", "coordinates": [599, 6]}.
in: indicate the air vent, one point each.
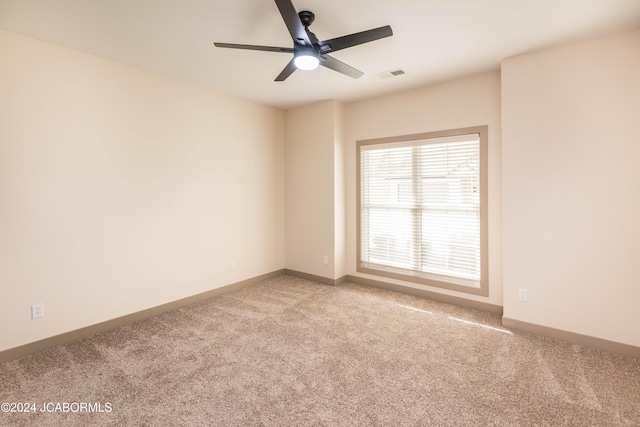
{"type": "Point", "coordinates": [392, 73]}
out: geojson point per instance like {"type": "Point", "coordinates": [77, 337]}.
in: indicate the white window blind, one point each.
{"type": "Point", "coordinates": [420, 208]}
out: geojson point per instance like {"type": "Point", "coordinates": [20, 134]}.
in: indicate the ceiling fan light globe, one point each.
{"type": "Point", "coordinates": [306, 62]}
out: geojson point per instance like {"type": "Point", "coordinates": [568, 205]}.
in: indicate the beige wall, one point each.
{"type": "Point", "coordinates": [313, 145]}
{"type": "Point", "coordinates": [571, 187]}
{"type": "Point", "coordinates": [121, 189]}
{"type": "Point", "coordinates": [473, 101]}
{"type": "Point", "coordinates": [340, 185]}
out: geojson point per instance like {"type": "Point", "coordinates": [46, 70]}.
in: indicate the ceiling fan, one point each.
{"type": "Point", "coordinates": [308, 51]}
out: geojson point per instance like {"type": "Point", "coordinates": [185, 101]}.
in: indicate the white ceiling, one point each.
{"type": "Point", "coordinates": [433, 41]}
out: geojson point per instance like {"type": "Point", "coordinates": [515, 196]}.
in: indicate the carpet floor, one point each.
{"type": "Point", "coordinates": [291, 352]}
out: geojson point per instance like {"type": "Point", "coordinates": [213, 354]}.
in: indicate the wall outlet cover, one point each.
{"type": "Point", "coordinates": [37, 311]}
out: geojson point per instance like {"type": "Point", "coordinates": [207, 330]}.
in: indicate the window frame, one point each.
{"type": "Point", "coordinates": [410, 276]}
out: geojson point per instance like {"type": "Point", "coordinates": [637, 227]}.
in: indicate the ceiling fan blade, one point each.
{"type": "Point", "coordinates": [293, 23]}
{"type": "Point", "coordinates": [254, 47]}
{"type": "Point", "coordinates": [355, 39]}
{"type": "Point", "coordinates": [341, 67]}
{"type": "Point", "coordinates": [288, 70]}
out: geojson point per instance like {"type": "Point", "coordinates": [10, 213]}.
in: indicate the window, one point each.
{"type": "Point", "coordinates": [422, 213]}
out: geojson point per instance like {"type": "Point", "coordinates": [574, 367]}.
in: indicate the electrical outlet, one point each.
{"type": "Point", "coordinates": [232, 264]}
{"type": "Point", "coordinates": [37, 310]}
{"type": "Point", "coordinates": [325, 259]}
{"type": "Point", "coordinates": [523, 295]}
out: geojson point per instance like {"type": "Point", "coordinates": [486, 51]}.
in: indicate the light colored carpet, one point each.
{"type": "Point", "coordinates": [290, 352]}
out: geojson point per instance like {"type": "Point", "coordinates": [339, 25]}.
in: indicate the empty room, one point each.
{"type": "Point", "coordinates": [298, 212]}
